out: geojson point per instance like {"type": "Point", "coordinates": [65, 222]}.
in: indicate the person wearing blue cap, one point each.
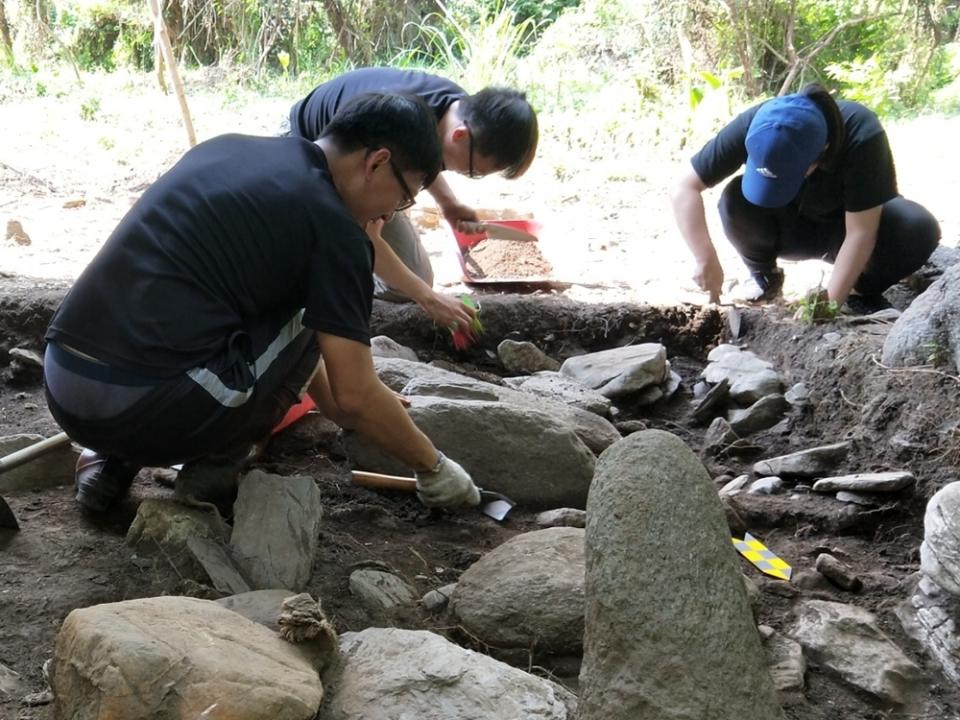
{"type": "Point", "coordinates": [818, 183]}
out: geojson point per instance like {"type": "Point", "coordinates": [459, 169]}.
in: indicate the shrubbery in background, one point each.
{"type": "Point", "coordinates": [896, 56]}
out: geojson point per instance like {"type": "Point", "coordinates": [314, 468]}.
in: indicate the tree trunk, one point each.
{"type": "Point", "coordinates": [6, 42]}
{"type": "Point", "coordinates": [741, 28]}
{"type": "Point", "coordinates": [354, 46]}
{"type": "Point", "coordinates": [163, 40]}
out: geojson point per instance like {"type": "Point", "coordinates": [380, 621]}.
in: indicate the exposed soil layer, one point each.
{"type": "Point", "coordinates": [63, 559]}
{"type": "Point", "coordinates": [495, 259]}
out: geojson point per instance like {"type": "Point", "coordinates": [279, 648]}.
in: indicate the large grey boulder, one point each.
{"type": "Point", "coordinates": [393, 674]}
{"type": "Point", "coordinates": [529, 455]}
{"type": "Point", "coordinates": [940, 549]}
{"type": "Point", "coordinates": [412, 378]}
{"type": "Point", "coordinates": [928, 332]}
{"type": "Point", "coordinates": [847, 641]}
{"type": "Point", "coordinates": [620, 371]}
{"type": "Point", "coordinates": [526, 593]}
{"type": "Point", "coordinates": [669, 629]}
{"type": "Point", "coordinates": [168, 658]}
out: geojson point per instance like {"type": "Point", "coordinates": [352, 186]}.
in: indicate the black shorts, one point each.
{"type": "Point", "coordinates": [231, 401]}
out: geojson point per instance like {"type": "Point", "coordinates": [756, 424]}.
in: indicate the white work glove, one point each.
{"type": "Point", "coordinates": [446, 485]}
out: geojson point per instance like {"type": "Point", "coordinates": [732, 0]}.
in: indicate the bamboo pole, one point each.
{"type": "Point", "coordinates": [163, 40]}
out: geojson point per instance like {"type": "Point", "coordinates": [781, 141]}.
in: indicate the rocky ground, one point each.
{"type": "Point", "coordinates": [894, 420]}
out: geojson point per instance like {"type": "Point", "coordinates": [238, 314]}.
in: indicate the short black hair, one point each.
{"type": "Point", "coordinates": [836, 130]}
{"type": "Point", "coordinates": [403, 124]}
{"type": "Point", "coordinates": [504, 127]}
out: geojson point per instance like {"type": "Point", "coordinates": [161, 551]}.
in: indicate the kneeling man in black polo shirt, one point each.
{"type": "Point", "coordinates": [208, 310]}
{"type": "Point", "coordinates": [819, 183]}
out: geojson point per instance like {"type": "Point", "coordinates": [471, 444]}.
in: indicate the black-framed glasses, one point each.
{"type": "Point", "coordinates": [410, 197]}
{"type": "Point", "coordinates": [470, 172]}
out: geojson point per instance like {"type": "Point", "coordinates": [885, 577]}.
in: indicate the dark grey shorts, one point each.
{"type": "Point", "coordinates": [233, 400]}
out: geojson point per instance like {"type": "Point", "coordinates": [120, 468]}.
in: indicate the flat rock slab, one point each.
{"type": "Point", "coordinates": [421, 379]}
{"type": "Point", "coordinates": [217, 560]}
{"type": "Point", "coordinates": [814, 462]}
{"type": "Point", "coordinates": [620, 371]}
{"type": "Point", "coordinates": [555, 386]}
{"type": "Point", "coordinates": [882, 482]}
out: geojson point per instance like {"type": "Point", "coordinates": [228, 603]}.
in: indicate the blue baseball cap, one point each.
{"type": "Point", "coordinates": [785, 138]}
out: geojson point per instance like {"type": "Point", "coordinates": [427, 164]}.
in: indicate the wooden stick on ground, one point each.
{"type": "Point", "coordinates": [163, 40]}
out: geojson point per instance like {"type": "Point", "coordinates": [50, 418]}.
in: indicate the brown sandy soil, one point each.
{"type": "Point", "coordinates": [68, 181]}
{"type": "Point", "coordinates": [494, 259]}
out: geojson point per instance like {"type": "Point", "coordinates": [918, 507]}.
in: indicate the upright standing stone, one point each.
{"type": "Point", "coordinates": [669, 631]}
{"type": "Point", "coordinates": [276, 529]}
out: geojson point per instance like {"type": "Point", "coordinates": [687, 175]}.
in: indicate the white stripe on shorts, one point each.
{"type": "Point", "coordinates": [229, 397]}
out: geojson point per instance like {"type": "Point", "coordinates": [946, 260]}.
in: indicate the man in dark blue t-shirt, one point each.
{"type": "Point", "coordinates": [819, 183]}
{"type": "Point", "coordinates": [206, 313]}
{"type": "Point", "coordinates": [494, 130]}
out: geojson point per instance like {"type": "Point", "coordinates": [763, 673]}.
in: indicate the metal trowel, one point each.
{"type": "Point", "coordinates": [492, 504]}
{"type": "Point", "coordinates": [8, 521]}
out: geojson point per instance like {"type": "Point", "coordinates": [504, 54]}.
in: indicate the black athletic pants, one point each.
{"type": "Point", "coordinates": [229, 403]}
{"type": "Point", "coordinates": [908, 234]}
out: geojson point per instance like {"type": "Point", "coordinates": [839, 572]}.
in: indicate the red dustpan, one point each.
{"type": "Point", "coordinates": [516, 230]}
{"type": "Point", "coordinates": [296, 412]}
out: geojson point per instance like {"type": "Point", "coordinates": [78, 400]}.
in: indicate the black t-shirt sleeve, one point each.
{"type": "Point", "coordinates": [722, 156]}
{"type": "Point", "coordinates": [340, 291]}
{"type": "Point", "coordinates": [868, 174]}
{"type": "Point", "coordinates": [311, 115]}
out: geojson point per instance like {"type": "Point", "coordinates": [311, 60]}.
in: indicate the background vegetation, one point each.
{"type": "Point", "coordinates": [634, 59]}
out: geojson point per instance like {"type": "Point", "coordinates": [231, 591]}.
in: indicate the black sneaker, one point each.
{"type": "Point", "coordinates": [214, 479]}
{"type": "Point", "coordinates": [101, 480]}
{"type": "Point", "coordinates": [865, 304]}
{"type": "Point", "coordinates": [763, 286]}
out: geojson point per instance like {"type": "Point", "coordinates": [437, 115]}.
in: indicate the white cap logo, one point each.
{"type": "Point", "coordinates": [767, 173]}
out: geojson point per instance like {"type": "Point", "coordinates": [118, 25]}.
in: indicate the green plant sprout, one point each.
{"type": "Point", "coordinates": [816, 306]}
